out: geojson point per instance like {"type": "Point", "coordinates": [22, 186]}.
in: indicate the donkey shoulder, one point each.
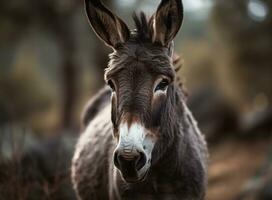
{"type": "Point", "coordinates": [91, 158]}
{"type": "Point", "coordinates": [94, 105]}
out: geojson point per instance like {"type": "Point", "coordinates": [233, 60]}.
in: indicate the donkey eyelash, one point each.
{"type": "Point", "coordinates": [162, 85]}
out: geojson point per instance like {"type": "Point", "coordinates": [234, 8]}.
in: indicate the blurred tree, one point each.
{"type": "Point", "coordinates": [57, 18]}
{"type": "Point", "coordinates": [244, 29]}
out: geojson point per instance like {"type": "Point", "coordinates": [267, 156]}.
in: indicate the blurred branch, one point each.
{"type": "Point", "coordinates": [57, 17]}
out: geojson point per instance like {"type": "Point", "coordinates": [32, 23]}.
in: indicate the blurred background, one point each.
{"type": "Point", "coordinates": [51, 63]}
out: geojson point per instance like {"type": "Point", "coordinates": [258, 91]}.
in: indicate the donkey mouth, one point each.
{"type": "Point", "coordinates": [136, 178]}
{"type": "Point", "coordinates": [131, 171]}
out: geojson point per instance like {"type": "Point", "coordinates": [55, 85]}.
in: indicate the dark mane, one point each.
{"type": "Point", "coordinates": [143, 30]}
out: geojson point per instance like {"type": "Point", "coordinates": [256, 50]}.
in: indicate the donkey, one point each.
{"type": "Point", "coordinates": [140, 141]}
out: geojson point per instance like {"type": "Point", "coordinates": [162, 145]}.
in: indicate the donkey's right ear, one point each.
{"type": "Point", "coordinates": [108, 27]}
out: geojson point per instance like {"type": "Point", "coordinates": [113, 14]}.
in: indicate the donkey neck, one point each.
{"type": "Point", "coordinates": [183, 163]}
{"type": "Point", "coordinates": [174, 131]}
{"type": "Point", "coordinates": [179, 167]}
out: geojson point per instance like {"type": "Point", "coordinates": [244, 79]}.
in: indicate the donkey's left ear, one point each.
{"type": "Point", "coordinates": [167, 21]}
{"type": "Point", "coordinates": [108, 27]}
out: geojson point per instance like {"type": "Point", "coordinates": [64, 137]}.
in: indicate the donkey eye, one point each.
{"type": "Point", "coordinates": [111, 84]}
{"type": "Point", "coordinates": [162, 85]}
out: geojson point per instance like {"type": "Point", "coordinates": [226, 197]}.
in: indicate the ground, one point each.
{"type": "Point", "coordinates": [232, 164]}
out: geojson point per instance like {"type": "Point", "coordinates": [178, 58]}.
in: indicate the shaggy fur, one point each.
{"type": "Point", "coordinates": [179, 159]}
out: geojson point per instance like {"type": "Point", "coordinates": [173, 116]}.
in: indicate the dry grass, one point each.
{"type": "Point", "coordinates": [31, 168]}
{"type": "Point", "coordinates": [232, 164]}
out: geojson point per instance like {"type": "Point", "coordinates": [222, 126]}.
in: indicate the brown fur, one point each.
{"type": "Point", "coordinates": [179, 158]}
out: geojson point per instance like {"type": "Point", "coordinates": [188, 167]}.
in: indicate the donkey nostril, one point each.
{"type": "Point", "coordinates": [122, 161]}
{"type": "Point", "coordinates": [140, 161]}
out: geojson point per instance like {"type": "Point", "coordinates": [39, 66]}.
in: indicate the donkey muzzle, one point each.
{"type": "Point", "coordinates": [132, 155]}
{"type": "Point", "coordinates": [129, 163]}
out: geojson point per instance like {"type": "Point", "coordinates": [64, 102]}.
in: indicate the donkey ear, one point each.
{"type": "Point", "coordinates": [167, 21]}
{"type": "Point", "coordinates": [108, 27]}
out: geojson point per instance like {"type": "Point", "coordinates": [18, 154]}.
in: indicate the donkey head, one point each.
{"type": "Point", "coordinates": [141, 76]}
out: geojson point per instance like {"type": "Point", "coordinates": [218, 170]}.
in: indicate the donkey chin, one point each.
{"type": "Point", "coordinates": [132, 175]}
{"type": "Point", "coordinates": [132, 155]}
